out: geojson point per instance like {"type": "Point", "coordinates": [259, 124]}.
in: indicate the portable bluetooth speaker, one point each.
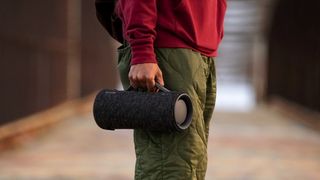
{"type": "Point", "coordinates": [155, 111]}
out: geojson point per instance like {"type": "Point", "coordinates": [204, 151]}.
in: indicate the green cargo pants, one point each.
{"type": "Point", "coordinates": [174, 156]}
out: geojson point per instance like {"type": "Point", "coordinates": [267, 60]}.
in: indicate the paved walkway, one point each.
{"type": "Point", "coordinates": [262, 144]}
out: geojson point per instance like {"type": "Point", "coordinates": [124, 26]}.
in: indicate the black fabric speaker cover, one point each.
{"type": "Point", "coordinates": [115, 109]}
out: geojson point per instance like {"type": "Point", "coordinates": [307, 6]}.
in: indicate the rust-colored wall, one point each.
{"type": "Point", "coordinates": [34, 52]}
{"type": "Point", "coordinates": [98, 54]}
{"type": "Point", "coordinates": [294, 52]}
{"type": "Point", "coordinates": [33, 56]}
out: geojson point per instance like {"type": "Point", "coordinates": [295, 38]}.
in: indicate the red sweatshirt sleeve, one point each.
{"type": "Point", "coordinates": [140, 18]}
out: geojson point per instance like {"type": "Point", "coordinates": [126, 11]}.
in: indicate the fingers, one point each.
{"type": "Point", "coordinates": [159, 77]}
{"type": "Point", "coordinates": [136, 80]}
{"type": "Point", "coordinates": [151, 84]}
{"type": "Point", "coordinates": [144, 81]}
{"type": "Point", "coordinates": [133, 79]}
{"type": "Point", "coordinates": [145, 76]}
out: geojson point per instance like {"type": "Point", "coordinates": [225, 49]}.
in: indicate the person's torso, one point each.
{"type": "Point", "coordinates": [197, 24]}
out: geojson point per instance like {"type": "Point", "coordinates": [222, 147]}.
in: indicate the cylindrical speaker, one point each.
{"type": "Point", "coordinates": [161, 111]}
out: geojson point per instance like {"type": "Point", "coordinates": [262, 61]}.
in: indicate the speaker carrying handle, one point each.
{"type": "Point", "coordinates": [159, 86]}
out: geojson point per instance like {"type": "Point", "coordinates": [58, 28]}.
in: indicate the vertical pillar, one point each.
{"type": "Point", "coordinates": [74, 47]}
{"type": "Point", "coordinates": [260, 54]}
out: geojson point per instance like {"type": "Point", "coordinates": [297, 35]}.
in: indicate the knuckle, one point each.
{"type": "Point", "coordinates": [130, 75]}
{"type": "Point", "coordinates": [133, 78]}
{"type": "Point", "coordinates": [149, 77]}
{"type": "Point", "coordinates": [140, 77]}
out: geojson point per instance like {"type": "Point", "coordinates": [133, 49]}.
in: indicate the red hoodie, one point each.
{"type": "Point", "coordinates": [192, 24]}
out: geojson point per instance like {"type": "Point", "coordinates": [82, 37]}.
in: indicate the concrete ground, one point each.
{"type": "Point", "coordinates": [261, 144]}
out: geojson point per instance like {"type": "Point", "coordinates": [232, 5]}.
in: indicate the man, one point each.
{"type": "Point", "coordinates": [173, 42]}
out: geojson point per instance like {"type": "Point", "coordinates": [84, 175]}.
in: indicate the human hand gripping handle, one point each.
{"type": "Point", "coordinates": [145, 76]}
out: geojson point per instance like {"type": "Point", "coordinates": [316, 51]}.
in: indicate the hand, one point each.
{"type": "Point", "coordinates": [145, 75]}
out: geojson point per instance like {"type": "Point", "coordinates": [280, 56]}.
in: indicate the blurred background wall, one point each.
{"type": "Point", "coordinates": [294, 52]}
{"type": "Point", "coordinates": [55, 51]}
{"type": "Point", "coordinates": [50, 52]}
